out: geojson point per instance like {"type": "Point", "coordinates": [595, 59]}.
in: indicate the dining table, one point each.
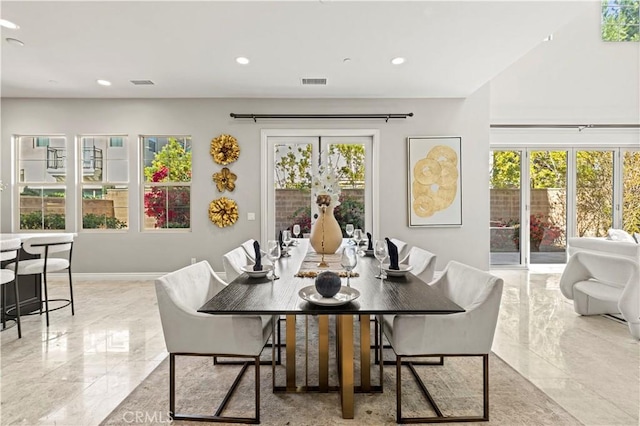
{"type": "Point", "coordinates": [293, 294]}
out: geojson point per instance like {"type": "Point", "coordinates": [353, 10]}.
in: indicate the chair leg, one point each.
{"type": "Point", "coordinates": [4, 307]}
{"type": "Point", "coordinates": [46, 298]}
{"type": "Point", "coordinates": [440, 417]}
{"type": "Point", "coordinates": [73, 312]}
{"type": "Point", "coordinates": [172, 385]}
{"type": "Point", "coordinates": [17, 294]}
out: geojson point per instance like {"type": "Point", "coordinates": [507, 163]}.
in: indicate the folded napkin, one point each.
{"type": "Point", "coordinates": [370, 246]}
{"type": "Point", "coordinates": [280, 240]}
{"type": "Point", "coordinates": [393, 255]}
{"type": "Point", "coordinates": [258, 264]}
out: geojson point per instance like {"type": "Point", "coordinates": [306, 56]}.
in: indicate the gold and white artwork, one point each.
{"type": "Point", "coordinates": [434, 180]}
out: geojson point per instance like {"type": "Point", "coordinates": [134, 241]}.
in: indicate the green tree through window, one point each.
{"type": "Point", "coordinates": [620, 20]}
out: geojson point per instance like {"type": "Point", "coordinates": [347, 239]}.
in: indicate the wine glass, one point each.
{"type": "Point", "coordinates": [349, 229]}
{"type": "Point", "coordinates": [273, 253]}
{"type": "Point", "coordinates": [381, 253]}
{"type": "Point", "coordinates": [349, 260]}
{"type": "Point", "coordinates": [286, 240]}
{"type": "Point", "coordinates": [296, 230]}
{"type": "Point", "coordinates": [358, 236]}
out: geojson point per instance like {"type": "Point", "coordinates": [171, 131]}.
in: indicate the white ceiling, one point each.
{"type": "Point", "coordinates": [189, 48]}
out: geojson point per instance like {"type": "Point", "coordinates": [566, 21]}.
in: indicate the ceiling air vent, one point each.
{"type": "Point", "coordinates": [314, 81]}
{"type": "Point", "coordinates": [142, 82]}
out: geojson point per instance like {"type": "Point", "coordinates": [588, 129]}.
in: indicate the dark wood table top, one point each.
{"type": "Point", "coordinates": [408, 294]}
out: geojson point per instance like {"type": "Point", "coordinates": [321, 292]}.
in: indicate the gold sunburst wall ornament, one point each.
{"type": "Point", "coordinates": [223, 212]}
{"type": "Point", "coordinates": [225, 180]}
{"type": "Point", "coordinates": [225, 149]}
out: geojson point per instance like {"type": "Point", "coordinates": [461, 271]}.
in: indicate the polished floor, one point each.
{"type": "Point", "coordinates": [79, 369]}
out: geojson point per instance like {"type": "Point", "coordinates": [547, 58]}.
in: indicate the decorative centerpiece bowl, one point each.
{"type": "Point", "coordinates": [328, 284]}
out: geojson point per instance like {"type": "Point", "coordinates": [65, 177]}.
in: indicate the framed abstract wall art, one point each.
{"type": "Point", "coordinates": [434, 181]}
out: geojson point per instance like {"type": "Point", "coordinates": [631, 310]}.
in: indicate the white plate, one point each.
{"type": "Point", "coordinates": [395, 272]}
{"type": "Point", "coordinates": [257, 274]}
{"type": "Point", "coordinates": [344, 296]}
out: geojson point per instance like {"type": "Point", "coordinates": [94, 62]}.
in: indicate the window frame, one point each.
{"type": "Point", "coordinates": [144, 184]}
{"type": "Point", "coordinates": [18, 175]}
{"type": "Point", "coordinates": [80, 186]}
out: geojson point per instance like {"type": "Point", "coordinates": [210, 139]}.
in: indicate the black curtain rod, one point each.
{"type": "Point", "coordinates": [580, 127]}
{"type": "Point", "coordinates": [386, 117]}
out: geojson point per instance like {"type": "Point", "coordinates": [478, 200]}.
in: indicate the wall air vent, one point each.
{"type": "Point", "coordinates": [142, 82]}
{"type": "Point", "coordinates": [314, 81]}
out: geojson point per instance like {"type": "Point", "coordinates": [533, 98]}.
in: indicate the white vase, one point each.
{"type": "Point", "coordinates": [326, 235]}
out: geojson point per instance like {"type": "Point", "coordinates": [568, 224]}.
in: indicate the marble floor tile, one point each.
{"type": "Point", "coordinates": [80, 368]}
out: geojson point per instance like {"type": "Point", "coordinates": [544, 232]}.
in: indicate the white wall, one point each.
{"type": "Point", "coordinates": [576, 78]}
{"type": "Point", "coordinates": [135, 251]}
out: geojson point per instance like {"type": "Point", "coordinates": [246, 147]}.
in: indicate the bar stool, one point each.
{"type": "Point", "coordinates": [9, 250]}
{"type": "Point", "coordinates": [45, 247]}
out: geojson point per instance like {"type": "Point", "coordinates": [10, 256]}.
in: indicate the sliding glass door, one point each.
{"type": "Point", "coordinates": [594, 192]}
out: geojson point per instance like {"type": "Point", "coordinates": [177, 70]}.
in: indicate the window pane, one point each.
{"type": "Point", "coordinates": [349, 160]}
{"type": "Point", "coordinates": [167, 159]}
{"type": "Point", "coordinates": [293, 186]}
{"type": "Point", "coordinates": [620, 19]}
{"type": "Point", "coordinates": [116, 142]}
{"type": "Point", "coordinates": [505, 193]}
{"type": "Point", "coordinates": [631, 191]}
{"type": "Point", "coordinates": [167, 207]}
{"type": "Point", "coordinates": [42, 159]}
{"type": "Point", "coordinates": [105, 207]}
{"type": "Point", "coordinates": [42, 208]}
{"type": "Point", "coordinates": [594, 191]}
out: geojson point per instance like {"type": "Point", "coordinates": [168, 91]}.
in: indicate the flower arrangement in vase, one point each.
{"type": "Point", "coordinates": [326, 235]}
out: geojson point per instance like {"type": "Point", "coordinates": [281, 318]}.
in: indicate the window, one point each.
{"type": "Point", "coordinates": [166, 163]}
{"type": "Point", "coordinates": [631, 191]}
{"type": "Point", "coordinates": [116, 142]}
{"type": "Point", "coordinates": [105, 182]}
{"type": "Point", "coordinates": [41, 182]}
{"type": "Point", "coordinates": [620, 20]}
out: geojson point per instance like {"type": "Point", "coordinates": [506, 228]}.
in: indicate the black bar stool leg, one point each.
{"type": "Point", "coordinates": [17, 293]}
{"type": "Point", "coordinates": [73, 312]}
{"type": "Point", "coordinates": [4, 308]}
{"type": "Point", "coordinates": [46, 298]}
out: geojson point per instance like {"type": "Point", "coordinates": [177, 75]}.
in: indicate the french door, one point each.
{"type": "Point", "coordinates": [568, 192]}
{"type": "Point", "coordinates": [292, 157]}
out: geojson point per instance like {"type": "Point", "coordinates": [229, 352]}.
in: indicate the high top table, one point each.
{"type": "Point", "coordinates": [401, 295]}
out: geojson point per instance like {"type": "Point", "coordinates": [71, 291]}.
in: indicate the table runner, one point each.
{"type": "Point", "coordinates": [309, 267]}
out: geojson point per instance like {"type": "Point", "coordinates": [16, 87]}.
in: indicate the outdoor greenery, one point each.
{"type": "Point", "coordinates": [594, 185]}
{"type": "Point", "coordinates": [94, 221]}
{"type": "Point", "coordinates": [169, 205]}
{"type": "Point", "coordinates": [620, 20]}
{"type": "Point", "coordinates": [34, 220]}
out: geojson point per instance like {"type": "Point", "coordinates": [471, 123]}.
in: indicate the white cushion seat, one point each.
{"type": "Point", "coordinates": [599, 290]}
{"type": "Point", "coordinates": [9, 250]}
{"type": "Point", "coordinates": [6, 276]}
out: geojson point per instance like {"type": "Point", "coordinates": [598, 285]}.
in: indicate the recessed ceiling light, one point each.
{"type": "Point", "coordinates": [103, 82]}
{"type": "Point", "coordinates": [242, 60]}
{"type": "Point", "coordinates": [397, 61]}
{"type": "Point", "coordinates": [14, 41]}
{"type": "Point", "coordinates": [8, 24]}
{"type": "Point", "coordinates": [345, 60]}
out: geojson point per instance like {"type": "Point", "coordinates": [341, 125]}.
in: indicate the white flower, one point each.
{"type": "Point", "coordinates": [326, 183]}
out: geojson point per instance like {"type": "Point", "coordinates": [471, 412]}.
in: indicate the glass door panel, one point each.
{"type": "Point", "coordinates": [631, 191]}
{"type": "Point", "coordinates": [548, 206]}
{"type": "Point", "coordinates": [594, 193]}
{"type": "Point", "coordinates": [506, 207]}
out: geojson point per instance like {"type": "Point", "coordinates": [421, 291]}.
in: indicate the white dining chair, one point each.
{"type": "Point", "coordinates": [402, 247]}
{"type": "Point", "coordinates": [10, 250]}
{"type": "Point", "coordinates": [233, 261]}
{"type": "Point", "coordinates": [44, 248]}
{"type": "Point", "coordinates": [188, 332]}
{"type": "Point", "coordinates": [422, 262]}
{"type": "Point", "coordinates": [464, 334]}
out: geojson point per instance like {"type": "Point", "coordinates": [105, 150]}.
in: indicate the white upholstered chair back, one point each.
{"type": "Point", "coordinates": [9, 249]}
{"type": "Point", "coordinates": [423, 263]}
{"type": "Point", "coordinates": [469, 332]}
{"type": "Point", "coordinates": [36, 245]}
{"type": "Point", "coordinates": [180, 295]}
{"type": "Point", "coordinates": [233, 261]}
{"type": "Point", "coordinates": [402, 247]}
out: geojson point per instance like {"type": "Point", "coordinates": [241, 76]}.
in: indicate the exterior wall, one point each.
{"type": "Point", "coordinates": [505, 203]}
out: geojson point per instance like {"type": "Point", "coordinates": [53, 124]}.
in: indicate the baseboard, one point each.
{"type": "Point", "coordinates": [116, 276]}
